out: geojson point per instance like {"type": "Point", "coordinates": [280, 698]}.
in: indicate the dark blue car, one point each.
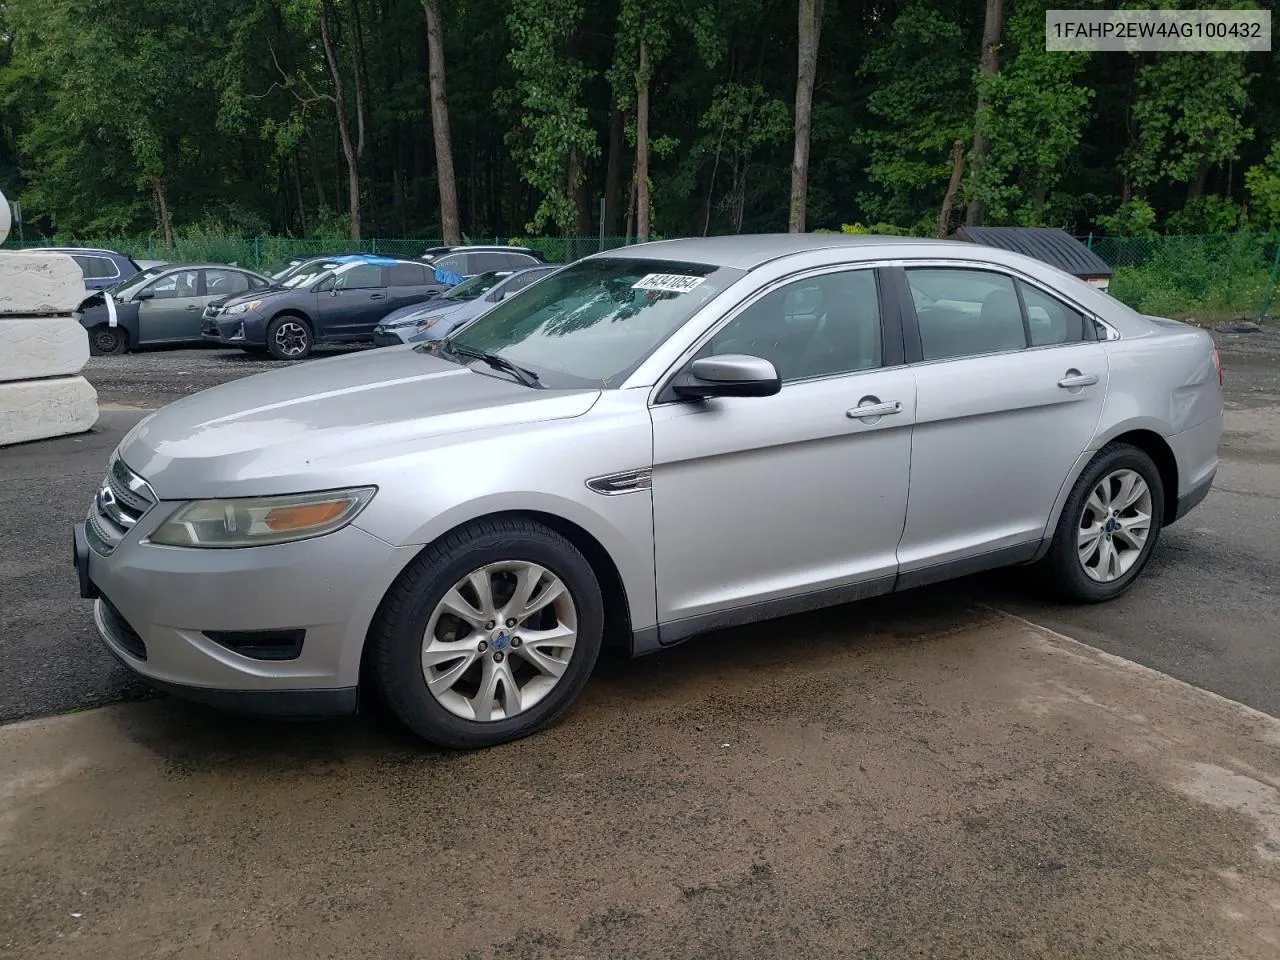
{"type": "Point", "coordinates": [333, 300]}
{"type": "Point", "coordinates": [101, 268]}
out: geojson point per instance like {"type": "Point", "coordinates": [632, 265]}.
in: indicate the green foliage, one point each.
{"type": "Point", "coordinates": [1134, 218]}
{"type": "Point", "coordinates": [1034, 116]}
{"type": "Point", "coordinates": [1210, 277]}
{"type": "Point", "coordinates": [1188, 116]}
{"type": "Point", "coordinates": [225, 111]}
{"type": "Point", "coordinates": [881, 229]}
{"type": "Point", "coordinates": [1205, 214]}
{"type": "Point", "coordinates": [1263, 184]}
{"type": "Point", "coordinates": [553, 121]}
{"type": "Point", "coordinates": [917, 112]}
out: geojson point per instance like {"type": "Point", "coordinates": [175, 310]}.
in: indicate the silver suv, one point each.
{"type": "Point", "coordinates": [647, 445]}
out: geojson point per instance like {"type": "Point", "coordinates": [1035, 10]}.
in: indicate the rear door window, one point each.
{"type": "Point", "coordinates": [407, 275]}
{"type": "Point", "coordinates": [965, 312]}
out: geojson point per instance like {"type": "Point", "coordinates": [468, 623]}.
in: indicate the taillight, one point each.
{"type": "Point", "coordinates": [1217, 362]}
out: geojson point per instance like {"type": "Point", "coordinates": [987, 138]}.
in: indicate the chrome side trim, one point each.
{"type": "Point", "coordinates": [628, 481]}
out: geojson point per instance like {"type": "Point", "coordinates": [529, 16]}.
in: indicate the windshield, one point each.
{"type": "Point", "coordinates": [308, 273]}
{"type": "Point", "coordinates": [477, 286]}
{"type": "Point", "coordinates": [593, 323]}
{"type": "Point", "coordinates": [130, 285]}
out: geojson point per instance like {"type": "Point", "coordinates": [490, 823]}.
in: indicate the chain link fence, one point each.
{"type": "Point", "coordinates": [1206, 278]}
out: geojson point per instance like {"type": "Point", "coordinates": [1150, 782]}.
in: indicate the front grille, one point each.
{"type": "Point", "coordinates": [120, 632]}
{"type": "Point", "coordinates": [123, 499]}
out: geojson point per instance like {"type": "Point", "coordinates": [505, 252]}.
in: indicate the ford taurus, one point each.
{"type": "Point", "coordinates": [647, 445]}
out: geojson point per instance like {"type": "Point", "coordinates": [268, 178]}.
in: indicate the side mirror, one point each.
{"type": "Point", "coordinates": [730, 375]}
{"type": "Point", "coordinates": [144, 295]}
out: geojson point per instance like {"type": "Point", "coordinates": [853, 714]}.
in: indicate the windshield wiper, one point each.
{"type": "Point", "coordinates": [525, 376]}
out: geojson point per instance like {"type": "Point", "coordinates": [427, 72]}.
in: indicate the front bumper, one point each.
{"type": "Point", "coordinates": [191, 621]}
{"type": "Point", "coordinates": [390, 337]}
{"type": "Point", "coordinates": [235, 331]}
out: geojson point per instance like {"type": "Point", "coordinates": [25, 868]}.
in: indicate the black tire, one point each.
{"type": "Point", "coordinates": [105, 341]}
{"type": "Point", "coordinates": [1061, 570]}
{"type": "Point", "coordinates": [289, 337]}
{"type": "Point", "coordinates": [397, 633]}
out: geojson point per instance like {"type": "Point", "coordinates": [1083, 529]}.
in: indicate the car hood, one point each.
{"type": "Point", "coordinates": [266, 433]}
{"type": "Point", "coordinates": [262, 293]}
{"type": "Point", "coordinates": [419, 311]}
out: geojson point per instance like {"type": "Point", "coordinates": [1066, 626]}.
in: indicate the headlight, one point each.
{"type": "Point", "coordinates": [427, 322]}
{"type": "Point", "coordinates": [252, 521]}
{"type": "Point", "coordinates": [240, 308]}
{"type": "Point", "coordinates": [406, 322]}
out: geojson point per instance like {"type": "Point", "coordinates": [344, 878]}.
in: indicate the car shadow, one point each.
{"type": "Point", "coordinates": [191, 739]}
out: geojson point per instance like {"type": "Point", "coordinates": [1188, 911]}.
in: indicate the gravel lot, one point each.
{"type": "Point", "coordinates": [152, 378]}
{"type": "Point", "coordinates": [922, 775]}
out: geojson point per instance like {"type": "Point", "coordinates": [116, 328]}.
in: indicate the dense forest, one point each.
{"type": "Point", "coordinates": [484, 118]}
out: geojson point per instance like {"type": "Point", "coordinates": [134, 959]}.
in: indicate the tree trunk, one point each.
{"type": "Point", "coordinates": [631, 207]}
{"type": "Point", "coordinates": [358, 72]}
{"type": "Point", "coordinates": [440, 128]}
{"type": "Point", "coordinates": [613, 171]}
{"type": "Point", "coordinates": [953, 187]}
{"type": "Point", "coordinates": [810, 34]}
{"type": "Point", "coordinates": [988, 66]}
{"type": "Point", "coordinates": [578, 191]}
{"type": "Point", "coordinates": [162, 211]}
{"type": "Point", "coordinates": [642, 145]}
{"type": "Point", "coordinates": [297, 185]}
{"type": "Point", "coordinates": [340, 110]}
{"type": "Point", "coordinates": [317, 176]}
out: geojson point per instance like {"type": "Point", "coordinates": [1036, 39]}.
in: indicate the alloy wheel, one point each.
{"type": "Point", "coordinates": [499, 640]}
{"type": "Point", "coordinates": [291, 338]}
{"type": "Point", "coordinates": [1114, 525]}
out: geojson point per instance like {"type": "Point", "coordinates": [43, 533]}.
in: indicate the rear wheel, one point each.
{"type": "Point", "coordinates": [108, 341]}
{"type": "Point", "coordinates": [488, 636]}
{"type": "Point", "coordinates": [289, 338]}
{"type": "Point", "coordinates": [1109, 526]}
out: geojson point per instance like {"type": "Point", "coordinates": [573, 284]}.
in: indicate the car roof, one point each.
{"type": "Point", "coordinates": [478, 246]}
{"type": "Point", "coordinates": [102, 250]}
{"type": "Point", "coordinates": [204, 265]}
{"type": "Point", "coordinates": [747, 251]}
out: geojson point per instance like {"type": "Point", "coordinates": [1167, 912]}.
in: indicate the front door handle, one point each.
{"type": "Point", "coordinates": [870, 407]}
{"type": "Point", "coordinates": [192, 306]}
{"type": "Point", "coordinates": [377, 296]}
{"type": "Point", "coordinates": [1075, 379]}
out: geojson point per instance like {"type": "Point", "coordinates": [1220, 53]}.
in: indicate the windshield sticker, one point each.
{"type": "Point", "coordinates": [670, 282]}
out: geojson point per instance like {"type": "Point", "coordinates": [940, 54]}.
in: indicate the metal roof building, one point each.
{"type": "Point", "coordinates": [1055, 247]}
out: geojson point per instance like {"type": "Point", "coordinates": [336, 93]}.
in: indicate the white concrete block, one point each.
{"type": "Point", "coordinates": [36, 283]}
{"type": "Point", "coordinates": [32, 347]}
{"type": "Point", "coordinates": [36, 409]}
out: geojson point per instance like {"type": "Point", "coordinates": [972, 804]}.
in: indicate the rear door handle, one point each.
{"type": "Point", "coordinates": [871, 410]}
{"type": "Point", "coordinates": [377, 296]}
{"type": "Point", "coordinates": [1074, 380]}
{"type": "Point", "coordinates": [192, 306]}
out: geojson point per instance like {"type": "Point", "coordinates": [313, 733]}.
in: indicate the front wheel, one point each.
{"type": "Point", "coordinates": [1108, 528]}
{"type": "Point", "coordinates": [489, 635]}
{"type": "Point", "coordinates": [107, 341]}
{"type": "Point", "coordinates": [289, 338]}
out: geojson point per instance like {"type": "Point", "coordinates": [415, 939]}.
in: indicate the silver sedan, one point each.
{"type": "Point", "coordinates": [647, 445]}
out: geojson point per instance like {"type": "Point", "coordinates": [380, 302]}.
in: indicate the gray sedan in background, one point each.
{"type": "Point", "coordinates": [468, 300]}
{"type": "Point", "coordinates": [649, 444]}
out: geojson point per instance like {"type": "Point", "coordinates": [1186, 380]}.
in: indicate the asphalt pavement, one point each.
{"type": "Point", "coordinates": [1205, 611]}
